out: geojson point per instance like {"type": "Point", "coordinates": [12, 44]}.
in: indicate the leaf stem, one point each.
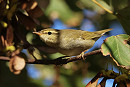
{"type": "Point", "coordinates": [109, 11]}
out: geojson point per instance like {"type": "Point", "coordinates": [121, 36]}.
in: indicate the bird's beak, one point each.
{"type": "Point", "coordinates": [38, 33]}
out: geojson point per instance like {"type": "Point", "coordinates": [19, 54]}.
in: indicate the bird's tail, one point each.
{"type": "Point", "coordinates": [102, 32]}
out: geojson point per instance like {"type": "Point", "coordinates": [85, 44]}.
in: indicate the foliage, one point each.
{"type": "Point", "coordinates": [118, 48]}
{"type": "Point", "coordinates": [19, 18]}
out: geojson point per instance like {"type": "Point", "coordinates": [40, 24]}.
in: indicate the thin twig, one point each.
{"type": "Point", "coordinates": [109, 11]}
{"type": "Point", "coordinates": [57, 61]}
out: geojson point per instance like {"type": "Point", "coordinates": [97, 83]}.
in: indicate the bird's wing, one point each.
{"type": "Point", "coordinates": [91, 36]}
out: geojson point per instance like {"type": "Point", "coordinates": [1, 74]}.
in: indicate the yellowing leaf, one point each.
{"type": "Point", "coordinates": [9, 48]}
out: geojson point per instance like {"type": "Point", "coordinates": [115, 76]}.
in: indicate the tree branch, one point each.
{"type": "Point", "coordinates": [58, 61]}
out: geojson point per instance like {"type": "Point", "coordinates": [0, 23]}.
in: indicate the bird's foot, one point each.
{"type": "Point", "coordinates": [82, 55]}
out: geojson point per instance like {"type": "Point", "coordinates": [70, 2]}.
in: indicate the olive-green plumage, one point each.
{"type": "Point", "coordinates": [68, 41]}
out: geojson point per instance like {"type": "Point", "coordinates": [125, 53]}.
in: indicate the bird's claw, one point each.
{"type": "Point", "coordinates": [82, 56]}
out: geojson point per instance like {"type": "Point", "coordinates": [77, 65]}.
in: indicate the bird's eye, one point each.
{"type": "Point", "coordinates": [49, 33]}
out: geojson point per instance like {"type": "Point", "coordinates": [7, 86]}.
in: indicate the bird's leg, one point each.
{"type": "Point", "coordinates": [82, 54]}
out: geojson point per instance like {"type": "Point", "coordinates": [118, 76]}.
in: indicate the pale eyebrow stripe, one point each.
{"type": "Point", "coordinates": [54, 32]}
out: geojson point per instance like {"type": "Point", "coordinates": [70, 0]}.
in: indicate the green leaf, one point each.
{"type": "Point", "coordinates": [90, 4]}
{"type": "Point", "coordinates": [116, 6]}
{"type": "Point", "coordinates": [120, 5]}
{"type": "Point", "coordinates": [118, 48]}
{"type": "Point", "coordinates": [124, 18]}
{"type": "Point", "coordinates": [60, 9]}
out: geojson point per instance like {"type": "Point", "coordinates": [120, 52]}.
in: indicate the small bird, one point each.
{"type": "Point", "coordinates": [68, 41]}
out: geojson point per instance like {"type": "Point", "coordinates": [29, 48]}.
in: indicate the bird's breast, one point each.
{"type": "Point", "coordinates": [71, 52]}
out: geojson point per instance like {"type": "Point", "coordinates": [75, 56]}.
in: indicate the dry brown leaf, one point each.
{"type": "Point", "coordinates": [27, 21]}
{"type": "Point", "coordinates": [2, 7]}
{"type": "Point", "coordinates": [17, 72]}
{"type": "Point", "coordinates": [102, 83]}
{"type": "Point", "coordinates": [16, 52]}
{"type": "Point", "coordinates": [16, 64]}
{"type": "Point", "coordinates": [19, 63]}
{"type": "Point", "coordinates": [36, 12]}
{"type": "Point", "coordinates": [28, 5]}
{"type": "Point", "coordinates": [2, 42]}
{"type": "Point", "coordinates": [43, 3]}
{"type": "Point", "coordinates": [9, 35]}
{"type": "Point", "coordinates": [93, 82]}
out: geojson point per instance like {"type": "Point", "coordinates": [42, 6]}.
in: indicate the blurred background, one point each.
{"type": "Point", "coordinates": [27, 16]}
